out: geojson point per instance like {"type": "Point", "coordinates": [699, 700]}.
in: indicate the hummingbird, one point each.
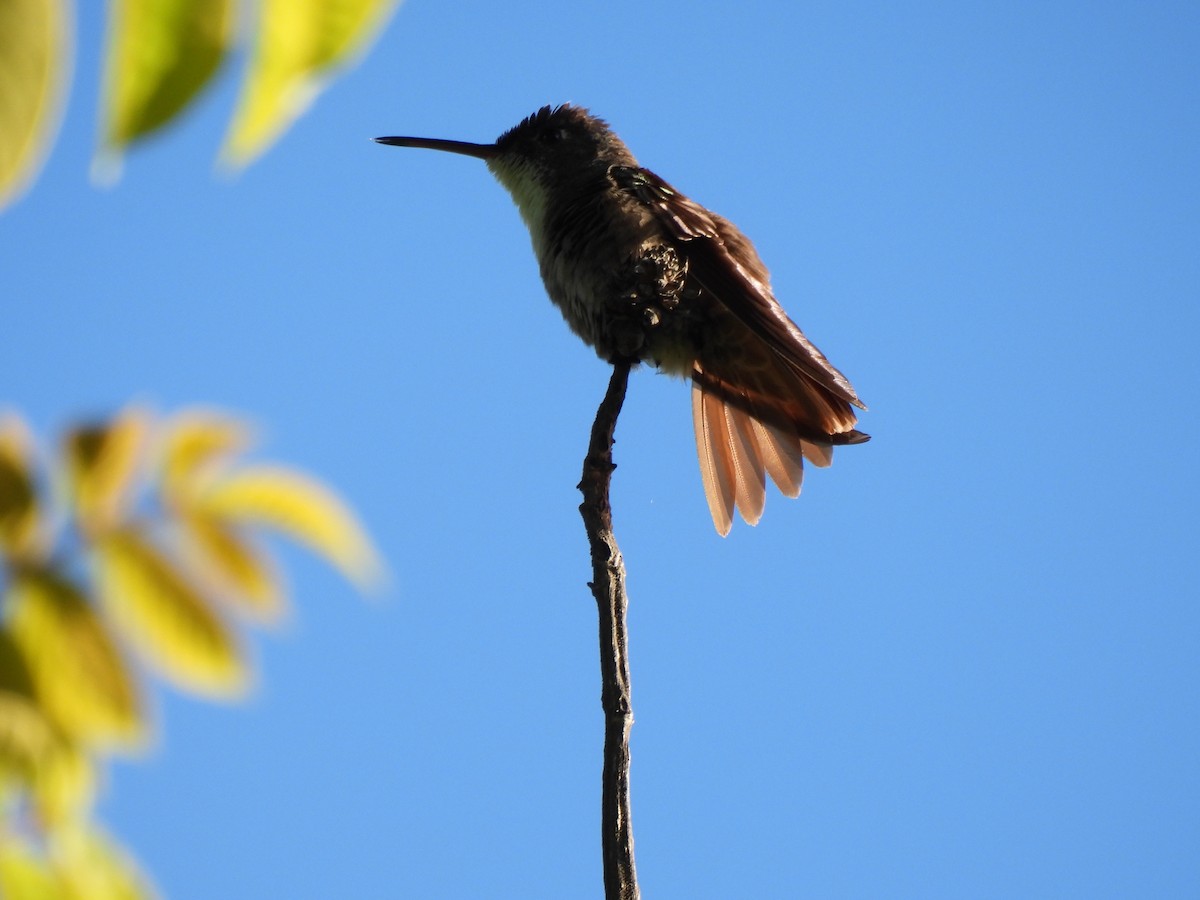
{"type": "Point", "coordinates": [642, 273]}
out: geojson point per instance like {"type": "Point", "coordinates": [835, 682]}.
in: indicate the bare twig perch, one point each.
{"type": "Point", "coordinates": [608, 587]}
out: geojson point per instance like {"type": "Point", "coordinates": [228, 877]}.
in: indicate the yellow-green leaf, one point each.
{"type": "Point", "coordinates": [160, 54]}
{"type": "Point", "coordinates": [241, 574]}
{"type": "Point", "coordinates": [299, 43]}
{"type": "Point", "coordinates": [65, 785]}
{"type": "Point", "coordinates": [27, 739]}
{"type": "Point", "coordinates": [301, 508]}
{"type": "Point", "coordinates": [15, 677]}
{"type": "Point", "coordinates": [33, 753]}
{"type": "Point", "coordinates": [165, 618]}
{"type": "Point", "coordinates": [19, 521]}
{"type": "Point", "coordinates": [102, 464]}
{"type": "Point", "coordinates": [92, 866]}
{"type": "Point", "coordinates": [34, 37]}
{"type": "Point", "coordinates": [81, 678]}
{"type": "Point", "coordinates": [195, 441]}
{"type": "Point", "coordinates": [24, 875]}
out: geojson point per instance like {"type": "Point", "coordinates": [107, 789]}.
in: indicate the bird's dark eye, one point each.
{"type": "Point", "coordinates": [554, 136]}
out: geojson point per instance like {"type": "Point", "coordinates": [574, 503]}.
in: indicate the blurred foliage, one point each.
{"type": "Point", "coordinates": [33, 62]}
{"type": "Point", "coordinates": [133, 550]}
{"type": "Point", "coordinates": [160, 56]}
{"type": "Point", "coordinates": [136, 548]}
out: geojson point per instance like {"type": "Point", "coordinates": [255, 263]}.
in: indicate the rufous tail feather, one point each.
{"type": "Point", "coordinates": [738, 449]}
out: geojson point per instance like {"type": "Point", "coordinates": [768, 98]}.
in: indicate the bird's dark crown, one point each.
{"type": "Point", "coordinates": [565, 136]}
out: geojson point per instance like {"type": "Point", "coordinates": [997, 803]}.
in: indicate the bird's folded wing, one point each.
{"type": "Point", "coordinates": [724, 264]}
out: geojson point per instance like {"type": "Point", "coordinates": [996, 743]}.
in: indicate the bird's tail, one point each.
{"type": "Point", "coordinates": [766, 424]}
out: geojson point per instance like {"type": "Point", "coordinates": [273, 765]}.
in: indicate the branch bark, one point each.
{"type": "Point", "coordinates": [608, 587]}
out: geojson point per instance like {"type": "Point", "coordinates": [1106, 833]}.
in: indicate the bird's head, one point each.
{"type": "Point", "coordinates": [548, 152]}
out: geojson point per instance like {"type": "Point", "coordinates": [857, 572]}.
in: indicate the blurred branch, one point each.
{"type": "Point", "coordinates": [608, 587]}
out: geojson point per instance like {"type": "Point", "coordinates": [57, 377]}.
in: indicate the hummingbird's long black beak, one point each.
{"type": "Point", "coordinates": [479, 151]}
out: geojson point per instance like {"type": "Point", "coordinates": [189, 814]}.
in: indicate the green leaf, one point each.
{"type": "Point", "coordinates": [20, 536]}
{"type": "Point", "coordinates": [80, 676]}
{"type": "Point", "coordinates": [65, 786]}
{"type": "Point", "coordinates": [34, 755]}
{"type": "Point", "coordinates": [92, 866]}
{"type": "Point", "coordinates": [165, 618]}
{"type": "Point", "coordinates": [160, 54]}
{"type": "Point", "coordinates": [24, 875]}
{"type": "Point", "coordinates": [101, 467]}
{"type": "Point", "coordinates": [193, 444]}
{"type": "Point", "coordinates": [299, 43]}
{"type": "Point", "coordinates": [301, 508]}
{"type": "Point", "coordinates": [241, 574]}
{"type": "Point", "coordinates": [27, 739]}
{"type": "Point", "coordinates": [33, 64]}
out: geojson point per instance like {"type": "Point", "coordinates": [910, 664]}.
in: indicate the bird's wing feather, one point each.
{"type": "Point", "coordinates": [725, 265]}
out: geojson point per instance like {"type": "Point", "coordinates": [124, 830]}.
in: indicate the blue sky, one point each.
{"type": "Point", "coordinates": [963, 664]}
